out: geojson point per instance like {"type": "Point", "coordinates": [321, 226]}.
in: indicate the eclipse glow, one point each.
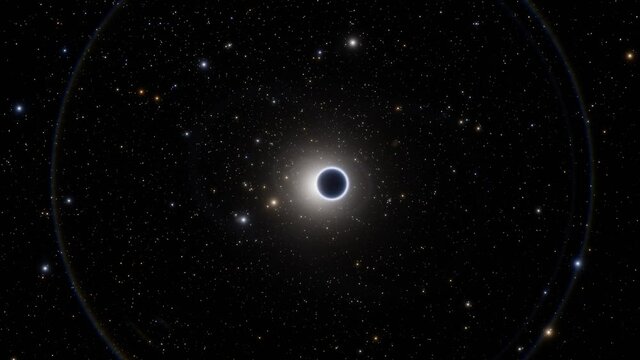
{"type": "Point", "coordinates": [332, 183]}
{"type": "Point", "coordinates": [300, 183]}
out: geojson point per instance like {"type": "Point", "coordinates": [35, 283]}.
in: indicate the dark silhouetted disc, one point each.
{"type": "Point", "coordinates": [332, 183]}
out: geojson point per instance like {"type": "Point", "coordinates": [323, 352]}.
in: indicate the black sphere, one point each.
{"type": "Point", "coordinates": [332, 183]}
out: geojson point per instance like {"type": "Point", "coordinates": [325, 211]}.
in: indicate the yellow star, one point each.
{"type": "Point", "coordinates": [630, 55]}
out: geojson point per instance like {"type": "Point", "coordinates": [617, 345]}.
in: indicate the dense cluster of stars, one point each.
{"type": "Point", "coordinates": [230, 159]}
{"type": "Point", "coordinates": [163, 200]}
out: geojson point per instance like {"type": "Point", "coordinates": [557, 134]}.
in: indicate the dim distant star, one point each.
{"type": "Point", "coordinates": [242, 219]}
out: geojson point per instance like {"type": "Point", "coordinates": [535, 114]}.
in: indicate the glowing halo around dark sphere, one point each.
{"type": "Point", "coordinates": [193, 141]}
{"type": "Point", "coordinates": [332, 183]}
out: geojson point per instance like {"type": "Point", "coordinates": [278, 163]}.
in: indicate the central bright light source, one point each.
{"type": "Point", "coordinates": [332, 183]}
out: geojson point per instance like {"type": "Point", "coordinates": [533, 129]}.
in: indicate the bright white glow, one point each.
{"type": "Point", "coordinates": [346, 188]}
{"type": "Point", "coordinates": [299, 180]}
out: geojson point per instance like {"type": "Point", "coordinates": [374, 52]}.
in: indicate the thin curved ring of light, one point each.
{"type": "Point", "coordinates": [346, 188]}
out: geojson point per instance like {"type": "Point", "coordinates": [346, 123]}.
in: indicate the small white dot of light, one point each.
{"type": "Point", "coordinates": [577, 263]}
{"type": "Point", "coordinates": [45, 268]}
{"type": "Point", "coordinates": [353, 42]}
{"type": "Point", "coordinates": [19, 108]}
{"type": "Point", "coordinates": [204, 64]}
{"type": "Point", "coordinates": [67, 200]}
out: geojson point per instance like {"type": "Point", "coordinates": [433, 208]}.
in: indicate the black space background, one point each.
{"type": "Point", "coordinates": [40, 317]}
